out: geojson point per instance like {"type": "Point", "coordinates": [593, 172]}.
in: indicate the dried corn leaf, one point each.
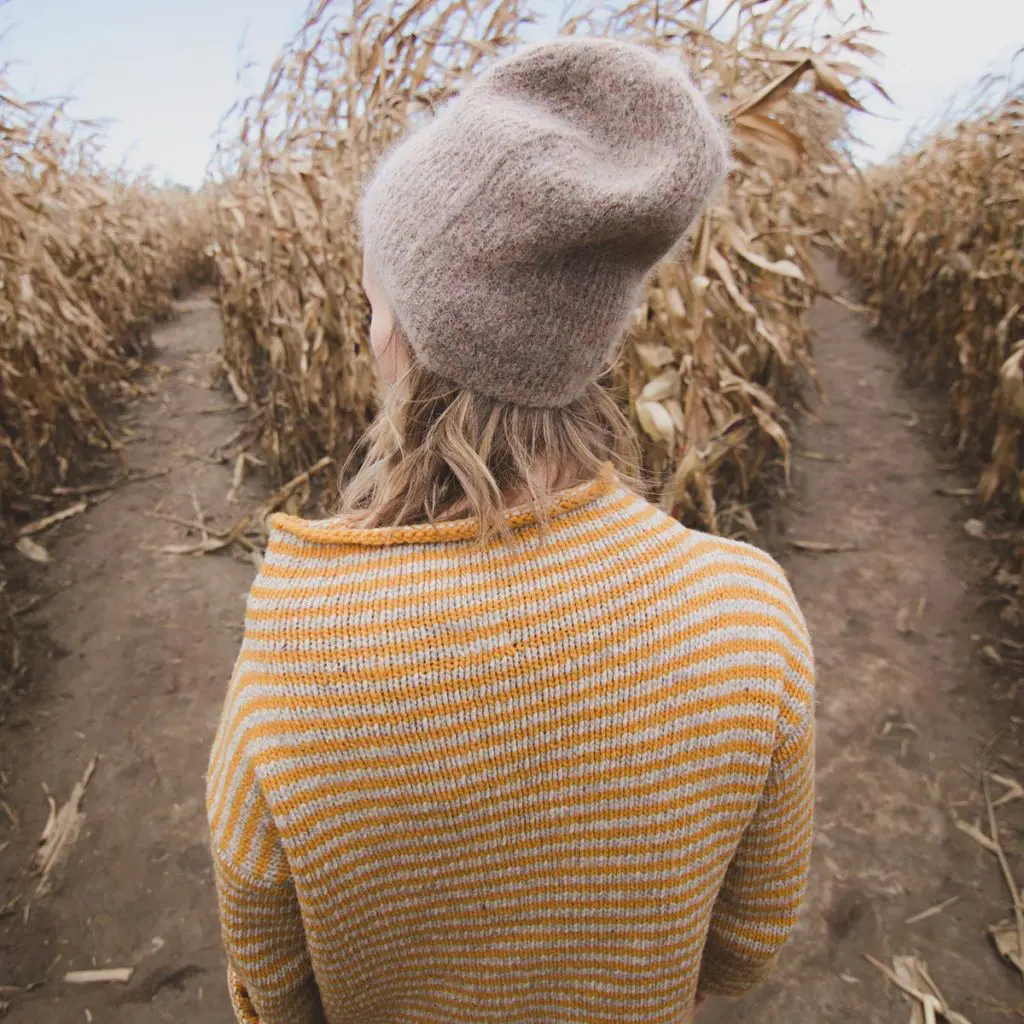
{"type": "Point", "coordinates": [1004, 936]}
{"type": "Point", "coordinates": [31, 550]}
{"type": "Point", "coordinates": [62, 829]}
{"type": "Point", "coordinates": [51, 520]}
{"type": "Point", "coordinates": [100, 975]}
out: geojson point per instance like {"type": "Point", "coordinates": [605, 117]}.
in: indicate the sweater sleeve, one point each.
{"type": "Point", "coordinates": [764, 885]}
{"type": "Point", "coordinates": [270, 977]}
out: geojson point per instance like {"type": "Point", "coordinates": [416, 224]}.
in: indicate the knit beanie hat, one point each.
{"type": "Point", "coordinates": [513, 234]}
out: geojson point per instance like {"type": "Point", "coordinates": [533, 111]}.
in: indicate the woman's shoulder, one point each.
{"type": "Point", "coordinates": [734, 582]}
{"type": "Point", "coordinates": [732, 556]}
{"type": "Point", "coordinates": [713, 555]}
{"type": "Point", "coordinates": [334, 531]}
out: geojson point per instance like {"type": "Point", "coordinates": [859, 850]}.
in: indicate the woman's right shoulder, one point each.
{"type": "Point", "coordinates": [303, 559]}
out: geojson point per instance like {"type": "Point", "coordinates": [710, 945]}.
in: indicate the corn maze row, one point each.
{"type": "Point", "coordinates": [719, 349]}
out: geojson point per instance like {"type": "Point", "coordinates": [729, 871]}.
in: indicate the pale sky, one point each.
{"type": "Point", "coordinates": [163, 72]}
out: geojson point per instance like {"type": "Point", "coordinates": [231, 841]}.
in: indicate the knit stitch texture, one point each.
{"type": "Point", "coordinates": [558, 780]}
{"type": "Point", "coordinates": [512, 234]}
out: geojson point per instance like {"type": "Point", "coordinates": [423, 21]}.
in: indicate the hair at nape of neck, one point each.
{"type": "Point", "coordinates": [438, 451]}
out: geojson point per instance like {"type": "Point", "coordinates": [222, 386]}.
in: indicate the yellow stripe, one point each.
{"type": "Point", "coordinates": [528, 659]}
{"type": "Point", "coordinates": [347, 809]}
{"type": "Point", "coordinates": [588, 937]}
{"type": "Point", "coordinates": [676, 850]}
{"type": "Point", "coordinates": [544, 892]}
{"type": "Point", "coordinates": [343, 733]}
{"type": "Point", "coordinates": [334, 793]}
{"type": "Point", "coordinates": [591, 938]}
{"type": "Point", "coordinates": [668, 844]}
{"type": "Point", "coordinates": [266, 624]}
{"type": "Point", "coordinates": [532, 746]}
{"type": "Point", "coordinates": [416, 688]}
{"type": "Point", "coordinates": [247, 785]}
{"type": "Point", "coordinates": [496, 555]}
{"type": "Point", "coordinates": [601, 958]}
{"type": "Point", "coordinates": [525, 777]}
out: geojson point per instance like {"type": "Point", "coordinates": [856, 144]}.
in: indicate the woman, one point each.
{"type": "Point", "coordinates": [504, 742]}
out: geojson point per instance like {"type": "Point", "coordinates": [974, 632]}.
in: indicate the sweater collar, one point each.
{"type": "Point", "coordinates": [333, 531]}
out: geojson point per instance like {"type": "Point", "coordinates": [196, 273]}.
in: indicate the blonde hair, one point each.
{"type": "Point", "coordinates": [438, 451]}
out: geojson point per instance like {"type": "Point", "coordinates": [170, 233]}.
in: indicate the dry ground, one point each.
{"type": "Point", "coordinates": [143, 642]}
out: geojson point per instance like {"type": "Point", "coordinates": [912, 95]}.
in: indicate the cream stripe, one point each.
{"type": "Point", "coordinates": [532, 657]}
{"type": "Point", "coordinates": [344, 631]}
{"type": "Point", "coordinates": [681, 929]}
{"type": "Point", "coordinates": [675, 844]}
{"type": "Point", "coordinates": [682, 556]}
{"type": "Point", "coordinates": [659, 1000]}
{"type": "Point", "coordinates": [681, 745]}
{"type": "Point", "coordinates": [322, 815]}
{"type": "Point", "coordinates": [361, 710]}
{"type": "Point", "coordinates": [314, 792]}
{"type": "Point", "coordinates": [676, 548]}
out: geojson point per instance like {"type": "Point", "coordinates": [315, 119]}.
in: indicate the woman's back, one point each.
{"type": "Point", "coordinates": [504, 782]}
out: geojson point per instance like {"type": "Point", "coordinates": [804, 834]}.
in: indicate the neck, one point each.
{"type": "Point", "coordinates": [552, 478]}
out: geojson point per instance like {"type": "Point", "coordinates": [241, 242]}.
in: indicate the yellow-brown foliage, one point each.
{"type": "Point", "coordinates": [716, 345]}
{"type": "Point", "coordinates": [87, 261]}
{"type": "Point", "coordinates": [937, 240]}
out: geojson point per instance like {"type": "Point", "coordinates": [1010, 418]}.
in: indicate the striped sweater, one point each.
{"type": "Point", "coordinates": [564, 779]}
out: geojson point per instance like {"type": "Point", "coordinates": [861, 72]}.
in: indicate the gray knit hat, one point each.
{"type": "Point", "coordinates": [513, 233]}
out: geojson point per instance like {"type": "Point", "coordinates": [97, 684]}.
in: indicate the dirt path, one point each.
{"type": "Point", "coordinates": [905, 719]}
{"type": "Point", "coordinates": [144, 644]}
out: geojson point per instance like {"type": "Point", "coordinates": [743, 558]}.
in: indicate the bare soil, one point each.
{"type": "Point", "coordinates": [141, 644]}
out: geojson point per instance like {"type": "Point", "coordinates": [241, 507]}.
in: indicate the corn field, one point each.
{"type": "Point", "coordinates": [89, 260]}
{"type": "Point", "coordinates": [719, 344]}
{"type": "Point", "coordinates": [937, 240]}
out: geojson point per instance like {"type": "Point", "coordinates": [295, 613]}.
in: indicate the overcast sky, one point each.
{"type": "Point", "coordinates": [164, 71]}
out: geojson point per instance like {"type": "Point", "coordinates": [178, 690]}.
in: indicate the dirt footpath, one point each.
{"type": "Point", "coordinates": [143, 644]}
{"type": "Point", "coordinates": [907, 715]}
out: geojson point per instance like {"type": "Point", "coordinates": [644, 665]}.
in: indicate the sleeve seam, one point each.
{"type": "Point", "coordinates": [793, 744]}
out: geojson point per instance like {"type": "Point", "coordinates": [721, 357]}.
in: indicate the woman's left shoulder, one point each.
{"type": "Point", "coordinates": [738, 558]}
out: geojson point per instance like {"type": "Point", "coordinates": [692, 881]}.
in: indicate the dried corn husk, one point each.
{"type": "Point", "coordinates": [89, 260]}
{"type": "Point", "coordinates": [719, 344]}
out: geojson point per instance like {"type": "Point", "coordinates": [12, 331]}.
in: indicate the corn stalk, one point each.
{"type": "Point", "coordinates": [937, 240]}
{"type": "Point", "coordinates": [720, 342]}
